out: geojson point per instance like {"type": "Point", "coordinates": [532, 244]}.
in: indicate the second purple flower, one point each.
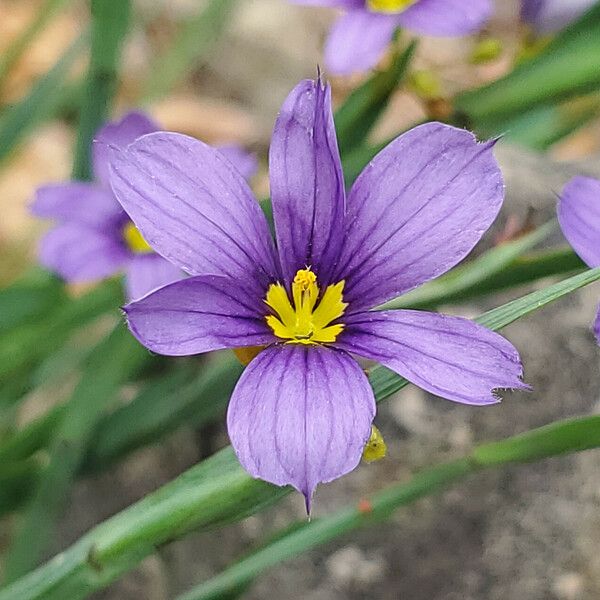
{"type": "Point", "coordinates": [359, 38]}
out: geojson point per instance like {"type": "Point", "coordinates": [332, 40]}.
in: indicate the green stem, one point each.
{"type": "Point", "coordinates": [110, 23]}
{"type": "Point", "coordinates": [552, 440]}
{"type": "Point", "coordinates": [45, 97]}
{"type": "Point", "coordinates": [111, 363]}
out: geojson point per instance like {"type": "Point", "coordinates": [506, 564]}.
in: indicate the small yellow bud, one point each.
{"type": "Point", "coordinates": [425, 84]}
{"type": "Point", "coordinates": [375, 448]}
{"type": "Point", "coordinates": [486, 50]}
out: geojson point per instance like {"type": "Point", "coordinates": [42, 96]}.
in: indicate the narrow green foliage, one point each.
{"type": "Point", "coordinates": [358, 114]}
{"type": "Point", "coordinates": [532, 267]}
{"type": "Point", "coordinates": [213, 493]}
{"type": "Point", "coordinates": [197, 36]}
{"type": "Point", "coordinates": [29, 301]}
{"type": "Point", "coordinates": [23, 347]}
{"type": "Point", "coordinates": [567, 67]}
{"type": "Point", "coordinates": [32, 437]}
{"type": "Point", "coordinates": [543, 126]}
{"type": "Point", "coordinates": [559, 438]}
{"type": "Point", "coordinates": [110, 23]}
{"type": "Point", "coordinates": [45, 97]}
{"type": "Point", "coordinates": [562, 437]}
{"type": "Point", "coordinates": [508, 313]}
{"type": "Point", "coordinates": [112, 363]}
{"type": "Point", "coordinates": [16, 481]}
{"type": "Point", "coordinates": [161, 408]}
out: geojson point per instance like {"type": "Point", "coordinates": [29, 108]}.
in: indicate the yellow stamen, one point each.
{"type": "Point", "coordinates": [306, 322]}
{"type": "Point", "coordinates": [135, 240]}
{"type": "Point", "coordinates": [389, 6]}
{"type": "Point", "coordinates": [375, 448]}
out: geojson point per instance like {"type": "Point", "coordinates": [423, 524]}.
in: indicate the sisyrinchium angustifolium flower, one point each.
{"type": "Point", "coordinates": [579, 218]}
{"type": "Point", "coordinates": [549, 16]}
{"type": "Point", "coordinates": [359, 38]}
{"type": "Point", "coordinates": [302, 411]}
{"type": "Point", "coordinates": [94, 237]}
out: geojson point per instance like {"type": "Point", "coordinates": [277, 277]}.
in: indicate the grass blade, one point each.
{"type": "Point", "coordinates": [359, 113]}
{"type": "Point", "coordinates": [110, 23]}
{"type": "Point", "coordinates": [550, 77]}
{"type": "Point", "coordinates": [112, 362]}
{"type": "Point", "coordinates": [553, 440]}
{"type": "Point", "coordinates": [42, 102]}
{"type": "Point", "coordinates": [197, 36]}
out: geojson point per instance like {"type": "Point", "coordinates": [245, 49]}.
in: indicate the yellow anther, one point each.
{"type": "Point", "coordinates": [308, 320]}
{"type": "Point", "coordinates": [304, 279]}
{"type": "Point", "coordinates": [389, 6]}
{"type": "Point", "coordinates": [135, 240]}
{"type": "Point", "coordinates": [375, 448]}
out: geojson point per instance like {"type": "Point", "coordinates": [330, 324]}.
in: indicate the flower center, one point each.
{"type": "Point", "coordinates": [305, 322]}
{"type": "Point", "coordinates": [389, 6]}
{"type": "Point", "coordinates": [135, 240]}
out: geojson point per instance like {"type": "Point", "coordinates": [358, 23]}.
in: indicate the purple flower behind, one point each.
{"type": "Point", "coordinates": [549, 16]}
{"type": "Point", "coordinates": [302, 411]}
{"type": "Point", "coordinates": [94, 237]}
{"type": "Point", "coordinates": [579, 218]}
{"type": "Point", "coordinates": [359, 38]}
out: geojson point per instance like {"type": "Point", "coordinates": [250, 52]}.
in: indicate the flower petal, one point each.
{"type": "Point", "coordinates": [307, 184]}
{"type": "Point", "coordinates": [197, 315]}
{"type": "Point", "coordinates": [245, 162]}
{"type": "Point", "coordinates": [549, 16]}
{"type": "Point", "coordinates": [579, 218]}
{"type": "Point", "coordinates": [147, 272]}
{"type": "Point", "coordinates": [446, 17]}
{"type": "Point", "coordinates": [79, 253]}
{"type": "Point", "coordinates": [300, 415]}
{"type": "Point", "coordinates": [451, 357]}
{"type": "Point", "coordinates": [357, 41]}
{"type": "Point", "coordinates": [85, 203]}
{"type": "Point", "coordinates": [417, 210]}
{"type": "Point", "coordinates": [118, 134]}
{"type": "Point", "coordinates": [193, 207]}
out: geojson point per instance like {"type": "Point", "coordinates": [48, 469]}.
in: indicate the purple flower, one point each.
{"type": "Point", "coordinates": [359, 38]}
{"type": "Point", "coordinates": [302, 411]}
{"type": "Point", "coordinates": [94, 237]}
{"type": "Point", "coordinates": [579, 218]}
{"type": "Point", "coordinates": [549, 16]}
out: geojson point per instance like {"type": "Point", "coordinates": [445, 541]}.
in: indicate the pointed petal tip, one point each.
{"type": "Point", "coordinates": [308, 499]}
{"type": "Point", "coordinates": [297, 444]}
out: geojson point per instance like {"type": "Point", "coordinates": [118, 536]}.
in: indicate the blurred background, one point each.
{"type": "Point", "coordinates": [530, 532]}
